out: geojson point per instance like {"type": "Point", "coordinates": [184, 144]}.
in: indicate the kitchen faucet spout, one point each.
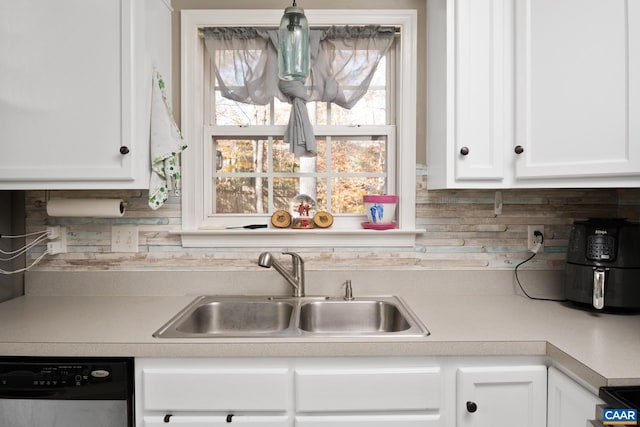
{"type": "Point", "coordinates": [295, 278]}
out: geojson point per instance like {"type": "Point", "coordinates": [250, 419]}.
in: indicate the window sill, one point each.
{"type": "Point", "coordinates": [314, 238]}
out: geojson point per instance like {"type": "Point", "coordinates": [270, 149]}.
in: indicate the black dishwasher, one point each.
{"type": "Point", "coordinates": [623, 397]}
{"type": "Point", "coordinates": [66, 392]}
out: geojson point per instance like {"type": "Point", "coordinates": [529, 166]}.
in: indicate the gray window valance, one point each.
{"type": "Point", "coordinates": [343, 62]}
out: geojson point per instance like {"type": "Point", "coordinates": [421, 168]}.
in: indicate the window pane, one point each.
{"type": "Point", "coordinates": [232, 113]}
{"type": "Point", "coordinates": [370, 110]}
{"type": "Point", "coordinates": [346, 193]}
{"type": "Point", "coordinates": [321, 158]}
{"type": "Point", "coordinates": [359, 155]}
{"type": "Point", "coordinates": [317, 113]}
{"type": "Point", "coordinates": [283, 159]}
{"type": "Point", "coordinates": [285, 162]}
{"type": "Point", "coordinates": [285, 189]}
{"type": "Point", "coordinates": [241, 155]}
{"type": "Point", "coordinates": [241, 195]}
{"type": "Point", "coordinates": [282, 110]}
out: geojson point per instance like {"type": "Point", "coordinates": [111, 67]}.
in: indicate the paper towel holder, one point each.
{"type": "Point", "coordinates": [85, 207]}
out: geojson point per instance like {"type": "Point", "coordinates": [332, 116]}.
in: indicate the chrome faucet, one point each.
{"type": "Point", "coordinates": [295, 278]}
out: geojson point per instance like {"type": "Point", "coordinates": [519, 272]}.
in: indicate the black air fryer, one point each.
{"type": "Point", "coordinates": [603, 264]}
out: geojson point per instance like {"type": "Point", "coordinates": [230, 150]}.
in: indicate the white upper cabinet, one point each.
{"type": "Point", "coordinates": [578, 88]}
{"type": "Point", "coordinates": [533, 93]}
{"type": "Point", "coordinates": [470, 98]}
{"type": "Point", "coordinates": [75, 84]}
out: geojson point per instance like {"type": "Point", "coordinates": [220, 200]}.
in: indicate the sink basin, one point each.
{"type": "Point", "coordinates": [352, 317]}
{"type": "Point", "coordinates": [292, 317]}
{"type": "Point", "coordinates": [210, 316]}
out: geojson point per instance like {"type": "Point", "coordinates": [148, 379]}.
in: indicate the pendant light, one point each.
{"type": "Point", "coordinates": [293, 45]}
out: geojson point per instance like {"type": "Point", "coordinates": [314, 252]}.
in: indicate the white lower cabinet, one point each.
{"type": "Point", "coordinates": [569, 404]}
{"type": "Point", "coordinates": [342, 392]}
{"type": "Point", "coordinates": [303, 392]}
{"type": "Point", "coordinates": [501, 396]}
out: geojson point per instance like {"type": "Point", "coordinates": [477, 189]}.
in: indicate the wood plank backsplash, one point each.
{"type": "Point", "coordinates": [462, 227]}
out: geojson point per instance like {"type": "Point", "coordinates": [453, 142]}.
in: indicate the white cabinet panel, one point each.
{"type": "Point", "coordinates": [225, 389]}
{"type": "Point", "coordinates": [75, 83]}
{"type": "Point", "coordinates": [578, 88]}
{"type": "Point", "coordinates": [502, 396]}
{"type": "Point", "coordinates": [470, 92]}
{"type": "Point", "coordinates": [369, 389]}
{"type": "Point", "coordinates": [214, 421]}
{"type": "Point", "coordinates": [533, 93]}
{"type": "Point", "coordinates": [369, 420]}
{"type": "Point", "coordinates": [569, 404]}
{"type": "Point", "coordinates": [482, 121]}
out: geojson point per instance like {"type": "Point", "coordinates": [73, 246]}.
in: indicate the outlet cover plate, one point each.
{"type": "Point", "coordinates": [532, 239]}
{"type": "Point", "coordinates": [124, 238]}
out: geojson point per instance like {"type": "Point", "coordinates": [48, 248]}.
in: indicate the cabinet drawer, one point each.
{"type": "Point", "coordinates": [369, 421]}
{"type": "Point", "coordinates": [243, 389]}
{"type": "Point", "coordinates": [371, 389]}
{"type": "Point", "coordinates": [195, 421]}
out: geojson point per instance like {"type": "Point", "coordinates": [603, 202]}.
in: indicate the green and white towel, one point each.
{"type": "Point", "coordinates": [166, 145]}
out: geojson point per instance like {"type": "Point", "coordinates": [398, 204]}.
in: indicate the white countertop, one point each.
{"type": "Point", "coordinates": [601, 348]}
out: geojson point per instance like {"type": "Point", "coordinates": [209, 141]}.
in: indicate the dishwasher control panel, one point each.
{"type": "Point", "coordinates": [78, 378]}
{"type": "Point", "coordinates": [46, 376]}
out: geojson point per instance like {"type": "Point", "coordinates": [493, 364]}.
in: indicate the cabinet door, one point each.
{"type": "Point", "coordinates": [569, 404]}
{"type": "Point", "coordinates": [502, 396]}
{"type": "Point", "coordinates": [483, 58]}
{"type": "Point", "coordinates": [214, 421]}
{"type": "Point", "coordinates": [369, 420]}
{"type": "Point", "coordinates": [67, 92]}
{"type": "Point", "coordinates": [470, 101]}
{"type": "Point", "coordinates": [578, 88]}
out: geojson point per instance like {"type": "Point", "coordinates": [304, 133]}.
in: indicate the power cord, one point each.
{"type": "Point", "coordinates": [41, 236]}
{"type": "Point", "coordinates": [534, 252]}
{"type": "Point", "coordinates": [22, 270]}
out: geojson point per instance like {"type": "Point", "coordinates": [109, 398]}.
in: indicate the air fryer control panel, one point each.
{"type": "Point", "coordinates": [601, 247]}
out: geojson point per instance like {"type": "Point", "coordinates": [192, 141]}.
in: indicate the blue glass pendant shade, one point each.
{"type": "Point", "coordinates": [293, 45]}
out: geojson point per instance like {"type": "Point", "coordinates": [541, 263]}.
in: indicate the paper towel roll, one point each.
{"type": "Point", "coordinates": [100, 208]}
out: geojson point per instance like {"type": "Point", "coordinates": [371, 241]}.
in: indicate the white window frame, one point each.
{"type": "Point", "coordinates": [198, 230]}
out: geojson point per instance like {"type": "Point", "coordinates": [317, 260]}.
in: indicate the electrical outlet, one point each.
{"type": "Point", "coordinates": [53, 232]}
{"type": "Point", "coordinates": [124, 238]}
{"type": "Point", "coordinates": [57, 244]}
{"type": "Point", "coordinates": [532, 239]}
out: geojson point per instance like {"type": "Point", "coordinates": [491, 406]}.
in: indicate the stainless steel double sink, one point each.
{"type": "Point", "coordinates": [250, 316]}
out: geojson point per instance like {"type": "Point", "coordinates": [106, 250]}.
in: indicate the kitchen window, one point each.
{"type": "Point", "coordinates": [238, 170]}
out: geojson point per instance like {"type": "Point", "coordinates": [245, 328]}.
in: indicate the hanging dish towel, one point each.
{"type": "Point", "coordinates": [166, 145]}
